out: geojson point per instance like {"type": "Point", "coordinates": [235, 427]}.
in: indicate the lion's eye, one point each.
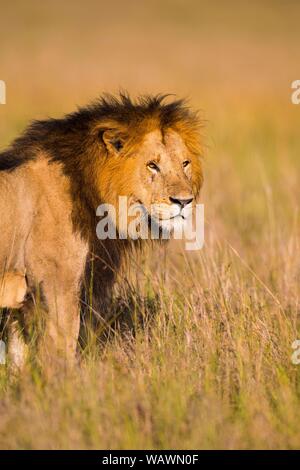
{"type": "Point", "coordinates": [185, 163]}
{"type": "Point", "coordinates": [117, 144]}
{"type": "Point", "coordinates": [153, 167]}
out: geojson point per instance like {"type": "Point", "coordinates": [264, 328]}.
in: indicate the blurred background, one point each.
{"type": "Point", "coordinates": [233, 60]}
{"type": "Point", "coordinates": [222, 55]}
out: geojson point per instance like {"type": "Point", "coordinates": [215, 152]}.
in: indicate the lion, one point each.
{"type": "Point", "coordinates": [54, 177]}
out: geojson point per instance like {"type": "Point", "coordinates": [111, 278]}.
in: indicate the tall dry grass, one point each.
{"type": "Point", "coordinates": [209, 365]}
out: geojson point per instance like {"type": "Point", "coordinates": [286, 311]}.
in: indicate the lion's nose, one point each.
{"type": "Point", "coordinates": [180, 201]}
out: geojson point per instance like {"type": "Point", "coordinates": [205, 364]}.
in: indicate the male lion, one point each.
{"type": "Point", "coordinates": [53, 178]}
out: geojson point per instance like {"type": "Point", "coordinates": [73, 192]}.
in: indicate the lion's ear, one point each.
{"type": "Point", "coordinates": [112, 140]}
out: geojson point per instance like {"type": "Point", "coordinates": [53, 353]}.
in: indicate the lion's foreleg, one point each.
{"type": "Point", "coordinates": [13, 289]}
{"type": "Point", "coordinates": [17, 352]}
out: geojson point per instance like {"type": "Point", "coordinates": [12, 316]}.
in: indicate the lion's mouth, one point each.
{"type": "Point", "coordinates": [163, 223]}
{"type": "Point", "coordinates": [178, 216]}
{"type": "Point", "coordinates": [157, 218]}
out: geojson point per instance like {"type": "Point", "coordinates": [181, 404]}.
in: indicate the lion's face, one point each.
{"type": "Point", "coordinates": [160, 174]}
{"type": "Point", "coordinates": [167, 176]}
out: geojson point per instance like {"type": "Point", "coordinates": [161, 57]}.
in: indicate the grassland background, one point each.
{"type": "Point", "coordinates": [211, 366]}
